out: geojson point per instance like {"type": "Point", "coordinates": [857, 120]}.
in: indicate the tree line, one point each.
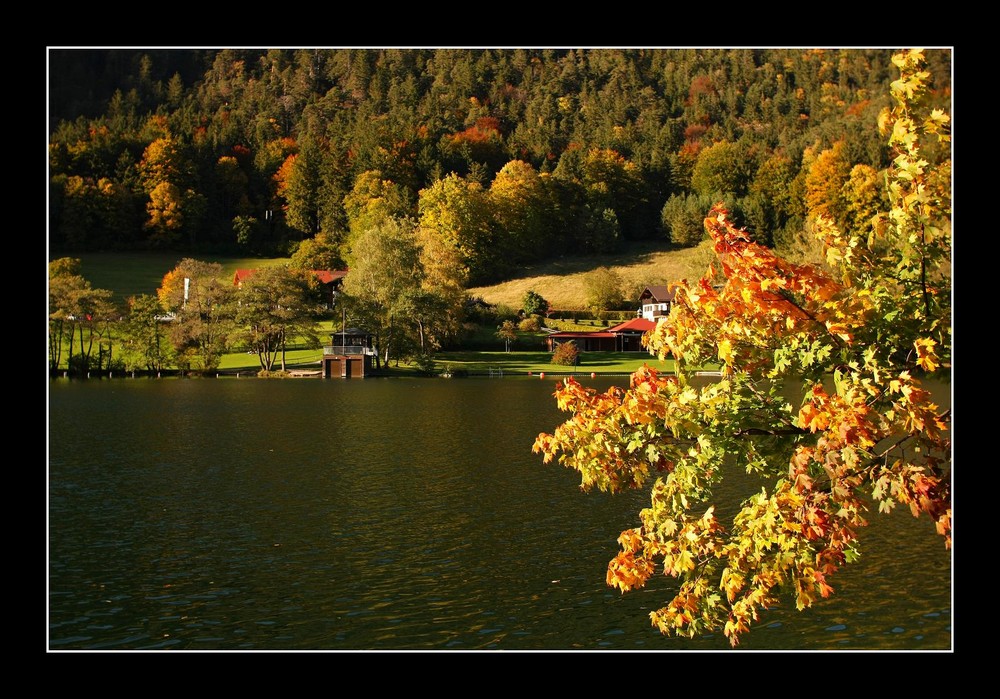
{"type": "Point", "coordinates": [504, 156]}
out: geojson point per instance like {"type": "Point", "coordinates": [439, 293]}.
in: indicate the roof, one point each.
{"type": "Point", "coordinates": [242, 274]}
{"type": "Point", "coordinates": [635, 325]}
{"type": "Point", "coordinates": [329, 276]}
{"type": "Point", "coordinates": [582, 334]}
{"type": "Point", "coordinates": [658, 293]}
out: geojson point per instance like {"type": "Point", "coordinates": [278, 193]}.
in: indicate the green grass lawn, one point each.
{"type": "Point", "coordinates": [514, 363]}
{"type": "Point", "coordinates": [476, 362]}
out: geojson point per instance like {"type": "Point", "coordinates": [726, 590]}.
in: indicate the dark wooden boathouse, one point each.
{"type": "Point", "coordinates": [349, 354]}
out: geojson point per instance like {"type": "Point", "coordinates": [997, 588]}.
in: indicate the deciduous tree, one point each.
{"type": "Point", "coordinates": [855, 348]}
{"type": "Point", "coordinates": [824, 181]}
{"type": "Point", "coordinates": [603, 287]}
{"type": "Point", "coordinates": [534, 303]}
{"type": "Point", "coordinates": [460, 213]}
{"type": "Point", "coordinates": [385, 268]}
{"type": "Point", "coordinates": [199, 299]}
{"type": "Point", "coordinates": [522, 210]}
{"type": "Point", "coordinates": [174, 206]}
{"type": "Point", "coordinates": [324, 251]}
{"type": "Point", "coordinates": [725, 167]}
{"type": "Point", "coordinates": [445, 278]}
{"type": "Point", "coordinates": [374, 199]}
{"type": "Point", "coordinates": [78, 314]}
{"type": "Point", "coordinates": [508, 333]}
{"type": "Point", "coordinates": [274, 306]}
{"type": "Point", "coordinates": [144, 334]}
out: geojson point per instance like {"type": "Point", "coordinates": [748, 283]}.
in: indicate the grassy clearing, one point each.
{"type": "Point", "coordinates": [514, 363]}
{"type": "Point", "coordinates": [474, 363]}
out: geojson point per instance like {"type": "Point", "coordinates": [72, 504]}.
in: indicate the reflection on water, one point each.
{"type": "Point", "coordinates": [383, 514]}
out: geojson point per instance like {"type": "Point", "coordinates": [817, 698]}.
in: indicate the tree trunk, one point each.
{"type": "Point", "coordinates": [55, 345]}
{"type": "Point", "coordinates": [281, 340]}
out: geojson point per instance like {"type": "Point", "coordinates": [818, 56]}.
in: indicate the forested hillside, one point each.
{"type": "Point", "coordinates": [497, 156]}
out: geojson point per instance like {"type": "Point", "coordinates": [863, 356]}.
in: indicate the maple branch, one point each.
{"type": "Point", "coordinates": [881, 456]}
{"type": "Point", "coordinates": [785, 295]}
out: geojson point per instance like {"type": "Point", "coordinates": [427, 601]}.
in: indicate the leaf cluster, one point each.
{"type": "Point", "coordinates": [822, 394]}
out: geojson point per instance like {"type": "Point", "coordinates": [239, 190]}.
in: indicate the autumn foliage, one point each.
{"type": "Point", "coordinates": [566, 354]}
{"type": "Point", "coordinates": [822, 396]}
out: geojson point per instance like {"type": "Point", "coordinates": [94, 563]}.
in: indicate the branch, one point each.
{"type": "Point", "coordinates": [875, 458]}
{"type": "Point", "coordinates": [787, 296]}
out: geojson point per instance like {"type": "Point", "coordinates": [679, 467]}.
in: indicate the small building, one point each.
{"type": "Point", "coordinates": [654, 302]}
{"type": "Point", "coordinates": [349, 354]}
{"type": "Point", "coordinates": [596, 341]}
{"type": "Point", "coordinates": [624, 337]}
{"type": "Point", "coordinates": [628, 335]}
{"type": "Point", "coordinates": [332, 280]}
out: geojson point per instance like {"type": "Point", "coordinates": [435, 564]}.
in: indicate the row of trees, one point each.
{"type": "Point", "coordinates": [192, 320]}
{"type": "Point", "coordinates": [510, 155]}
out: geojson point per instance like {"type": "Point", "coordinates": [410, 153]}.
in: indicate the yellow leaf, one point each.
{"type": "Point", "coordinates": [926, 357]}
{"type": "Point", "coordinates": [726, 351]}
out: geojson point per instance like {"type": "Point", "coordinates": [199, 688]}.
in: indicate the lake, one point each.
{"type": "Point", "coordinates": [386, 514]}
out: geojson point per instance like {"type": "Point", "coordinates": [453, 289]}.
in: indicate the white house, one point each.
{"type": "Point", "coordinates": [655, 302]}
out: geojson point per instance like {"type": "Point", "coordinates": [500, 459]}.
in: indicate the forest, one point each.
{"type": "Point", "coordinates": [494, 156]}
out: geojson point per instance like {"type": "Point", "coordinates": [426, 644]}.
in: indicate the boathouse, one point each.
{"type": "Point", "coordinates": [349, 354]}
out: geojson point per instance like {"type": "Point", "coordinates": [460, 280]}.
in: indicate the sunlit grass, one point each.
{"type": "Point", "coordinates": [514, 363]}
{"type": "Point", "coordinates": [561, 282]}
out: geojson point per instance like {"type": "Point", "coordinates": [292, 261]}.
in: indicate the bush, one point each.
{"type": "Point", "coordinates": [529, 325]}
{"type": "Point", "coordinates": [566, 354]}
{"type": "Point", "coordinates": [79, 364]}
{"type": "Point", "coordinates": [504, 312]}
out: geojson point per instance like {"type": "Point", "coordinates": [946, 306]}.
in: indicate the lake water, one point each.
{"type": "Point", "coordinates": [385, 514]}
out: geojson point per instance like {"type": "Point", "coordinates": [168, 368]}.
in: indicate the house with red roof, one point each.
{"type": "Point", "coordinates": [624, 337]}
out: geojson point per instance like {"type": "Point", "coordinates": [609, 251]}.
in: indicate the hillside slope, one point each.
{"type": "Point", "coordinates": [561, 282]}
